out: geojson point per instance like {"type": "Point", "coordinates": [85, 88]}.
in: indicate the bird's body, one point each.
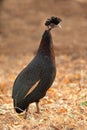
{"type": "Point", "coordinates": [40, 74]}
{"type": "Point", "coordinates": [33, 82]}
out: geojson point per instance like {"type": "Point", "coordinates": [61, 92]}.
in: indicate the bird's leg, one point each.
{"type": "Point", "coordinates": [26, 112]}
{"type": "Point", "coordinates": [37, 106]}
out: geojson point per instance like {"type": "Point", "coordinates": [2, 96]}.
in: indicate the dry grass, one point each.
{"type": "Point", "coordinates": [63, 108]}
{"type": "Point", "coordinates": [65, 105]}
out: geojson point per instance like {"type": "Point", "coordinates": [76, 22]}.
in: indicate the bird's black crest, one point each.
{"type": "Point", "coordinates": [53, 20]}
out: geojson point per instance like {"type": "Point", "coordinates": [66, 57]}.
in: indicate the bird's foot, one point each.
{"type": "Point", "coordinates": [37, 106]}
{"type": "Point", "coordinates": [25, 116]}
{"type": "Point", "coordinates": [26, 113]}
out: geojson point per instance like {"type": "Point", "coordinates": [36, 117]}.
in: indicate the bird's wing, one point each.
{"type": "Point", "coordinates": [27, 80]}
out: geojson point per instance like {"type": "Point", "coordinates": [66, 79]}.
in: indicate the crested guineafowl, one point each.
{"type": "Point", "coordinates": [37, 77]}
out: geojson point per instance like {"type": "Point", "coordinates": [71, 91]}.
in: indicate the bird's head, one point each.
{"type": "Point", "coordinates": [53, 22]}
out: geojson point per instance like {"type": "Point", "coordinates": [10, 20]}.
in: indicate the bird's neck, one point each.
{"type": "Point", "coordinates": [46, 45]}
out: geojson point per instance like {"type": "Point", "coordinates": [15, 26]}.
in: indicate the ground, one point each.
{"type": "Point", "coordinates": [22, 23]}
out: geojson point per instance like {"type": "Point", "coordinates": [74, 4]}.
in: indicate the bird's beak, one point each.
{"type": "Point", "coordinates": [59, 25]}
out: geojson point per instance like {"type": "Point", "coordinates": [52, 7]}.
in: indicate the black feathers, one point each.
{"type": "Point", "coordinates": [33, 82]}
{"type": "Point", "coordinates": [53, 20]}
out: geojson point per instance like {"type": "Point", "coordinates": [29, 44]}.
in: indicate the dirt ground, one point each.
{"type": "Point", "coordinates": [21, 27]}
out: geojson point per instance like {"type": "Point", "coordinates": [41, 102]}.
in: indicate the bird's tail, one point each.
{"type": "Point", "coordinates": [18, 110]}
{"type": "Point", "coordinates": [20, 107]}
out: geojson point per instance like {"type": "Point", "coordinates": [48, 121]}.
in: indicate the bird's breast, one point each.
{"type": "Point", "coordinates": [49, 68]}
